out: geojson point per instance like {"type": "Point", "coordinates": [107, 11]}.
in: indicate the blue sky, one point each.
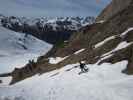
{"type": "Point", "coordinates": [52, 7]}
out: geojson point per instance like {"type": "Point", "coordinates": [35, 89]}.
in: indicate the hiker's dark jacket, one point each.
{"type": "Point", "coordinates": [82, 65]}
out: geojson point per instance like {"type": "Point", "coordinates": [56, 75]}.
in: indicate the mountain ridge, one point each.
{"type": "Point", "coordinates": [52, 30]}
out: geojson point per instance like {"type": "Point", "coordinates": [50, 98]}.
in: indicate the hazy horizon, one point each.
{"type": "Point", "coordinates": [52, 8]}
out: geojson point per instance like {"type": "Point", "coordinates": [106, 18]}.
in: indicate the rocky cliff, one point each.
{"type": "Point", "coordinates": [113, 8]}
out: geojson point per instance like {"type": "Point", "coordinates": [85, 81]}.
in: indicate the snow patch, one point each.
{"type": "Point", "coordinates": [5, 81]}
{"type": "Point", "coordinates": [105, 57]}
{"type": "Point", "coordinates": [125, 32]}
{"type": "Point", "coordinates": [104, 41]}
{"type": "Point", "coordinates": [120, 46]}
{"type": "Point", "coordinates": [56, 60]}
{"type": "Point", "coordinates": [79, 51]}
{"type": "Point", "coordinates": [100, 22]}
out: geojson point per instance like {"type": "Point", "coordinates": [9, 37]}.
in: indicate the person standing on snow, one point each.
{"type": "Point", "coordinates": [83, 66]}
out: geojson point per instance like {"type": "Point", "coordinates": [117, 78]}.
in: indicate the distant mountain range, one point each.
{"type": "Point", "coordinates": [47, 28]}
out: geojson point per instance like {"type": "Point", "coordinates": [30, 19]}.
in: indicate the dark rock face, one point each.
{"type": "Point", "coordinates": [113, 8]}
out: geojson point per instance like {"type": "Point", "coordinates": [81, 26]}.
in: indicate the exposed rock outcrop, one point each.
{"type": "Point", "coordinates": [113, 8]}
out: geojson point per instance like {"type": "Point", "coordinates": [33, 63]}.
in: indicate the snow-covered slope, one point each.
{"type": "Point", "coordinates": [104, 82]}
{"type": "Point", "coordinates": [16, 49]}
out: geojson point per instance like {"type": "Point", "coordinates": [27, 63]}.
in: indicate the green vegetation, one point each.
{"type": "Point", "coordinates": [60, 44]}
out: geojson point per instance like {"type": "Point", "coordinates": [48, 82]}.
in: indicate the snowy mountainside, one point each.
{"type": "Point", "coordinates": [16, 49]}
{"type": "Point", "coordinates": [17, 42]}
{"type": "Point", "coordinates": [104, 82]}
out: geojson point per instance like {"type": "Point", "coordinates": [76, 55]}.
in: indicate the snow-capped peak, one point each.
{"type": "Point", "coordinates": [69, 23]}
